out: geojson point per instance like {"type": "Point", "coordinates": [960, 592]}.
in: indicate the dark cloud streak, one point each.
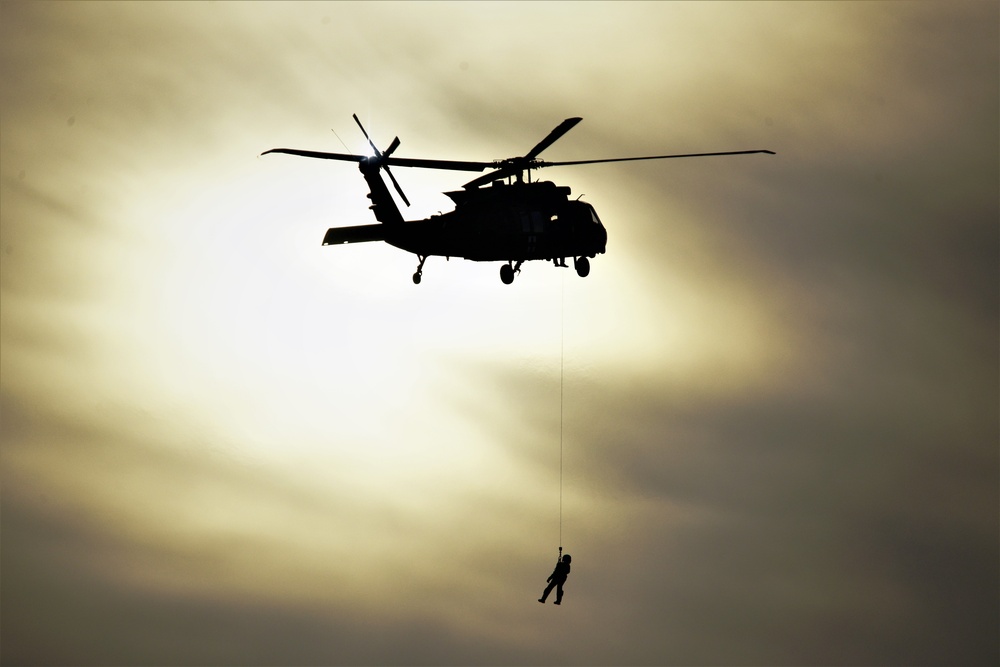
{"type": "Point", "coordinates": [833, 500]}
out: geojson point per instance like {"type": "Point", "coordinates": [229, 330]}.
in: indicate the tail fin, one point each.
{"type": "Point", "coordinates": [383, 206]}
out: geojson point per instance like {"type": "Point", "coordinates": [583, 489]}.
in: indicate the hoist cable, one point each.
{"type": "Point", "coordinates": [562, 365]}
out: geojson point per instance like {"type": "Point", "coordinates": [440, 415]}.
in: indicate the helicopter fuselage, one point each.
{"type": "Point", "coordinates": [517, 222]}
{"type": "Point", "coordinates": [513, 223]}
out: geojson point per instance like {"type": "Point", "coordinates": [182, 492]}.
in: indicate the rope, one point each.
{"type": "Point", "coordinates": [562, 364]}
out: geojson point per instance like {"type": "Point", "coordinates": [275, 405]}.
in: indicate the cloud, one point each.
{"type": "Point", "coordinates": [225, 443]}
{"type": "Point", "coordinates": [842, 525]}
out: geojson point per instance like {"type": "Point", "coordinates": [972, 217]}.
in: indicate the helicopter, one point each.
{"type": "Point", "coordinates": [502, 215]}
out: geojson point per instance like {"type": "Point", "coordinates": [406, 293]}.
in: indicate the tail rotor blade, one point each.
{"type": "Point", "coordinates": [381, 156]}
{"type": "Point", "coordinates": [370, 142]}
{"type": "Point", "coordinates": [396, 184]}
{"type": "Point", "coordinates": [393, 146]}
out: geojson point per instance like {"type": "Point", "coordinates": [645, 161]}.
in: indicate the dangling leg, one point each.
{"type": "Point", "coordinates": [559, 593]}
{"type": "Point", "coordinates": [548, 589]}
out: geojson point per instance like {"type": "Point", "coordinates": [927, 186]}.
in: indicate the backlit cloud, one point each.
{"type": "Point", "coordinates": [223, 443]}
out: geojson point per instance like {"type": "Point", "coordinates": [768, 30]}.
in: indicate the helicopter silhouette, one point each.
{"type": "Point", "coordinates": [512, 219]}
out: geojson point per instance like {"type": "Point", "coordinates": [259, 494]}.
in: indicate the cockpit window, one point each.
{"type": "Point", "coordinates": [583, 213]}
{"type": "Point", "coordinates": [593, 214]}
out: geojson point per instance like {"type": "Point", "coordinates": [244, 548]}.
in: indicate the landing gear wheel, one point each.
{"type": "Point", "coordinates": [507, 274]}
{"type": "Point", "coordinates": [416, 278]}
{"type": "Point", "coordinates": [582, 266]}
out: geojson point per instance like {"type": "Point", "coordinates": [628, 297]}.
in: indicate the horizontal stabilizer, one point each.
{"type": "Point", "coordinates": [359, 234]}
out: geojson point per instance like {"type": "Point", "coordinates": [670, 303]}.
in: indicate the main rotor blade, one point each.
{"type": "Point", "coordinates": [490, 177]}
{"type": "Point", "coordinates": [316, 154]}
{"type": "Point", "coordinates": [418, 163]}
{"type": "Point", "coordinates": [552, 137]}
{"type": "Point", "coordinates": [451, 165]}
{"type": "Point", "coordinates": [540, 163]}
{"type": "Point", "coordinates": [516, 165]}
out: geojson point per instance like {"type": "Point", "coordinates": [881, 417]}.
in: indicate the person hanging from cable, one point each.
{"type": "Point", "coordinates": [557, 578]}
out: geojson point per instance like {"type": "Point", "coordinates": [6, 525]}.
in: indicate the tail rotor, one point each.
{"type": "Point", "coordinates": [380, 158]}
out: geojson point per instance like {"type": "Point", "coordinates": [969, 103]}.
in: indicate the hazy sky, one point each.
{"type": "Point", "coordinates": [223, 443]}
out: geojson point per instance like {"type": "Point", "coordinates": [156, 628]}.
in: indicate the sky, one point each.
{"type": "Point", "coordinates": [765, 426]}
